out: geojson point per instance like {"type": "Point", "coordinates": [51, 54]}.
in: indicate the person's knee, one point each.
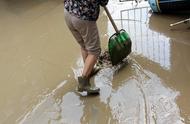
{"type": "Point", "coordinates": [96, 52]}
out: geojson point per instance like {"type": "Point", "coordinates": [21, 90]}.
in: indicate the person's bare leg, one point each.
{"type": "Point", "coordinates": [89, 64]}
{"type": "Point", "coordinates": [84, 54]}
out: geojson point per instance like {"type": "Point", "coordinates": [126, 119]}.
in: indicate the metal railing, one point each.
{"type": "Point", "coordinates": [146, 42]}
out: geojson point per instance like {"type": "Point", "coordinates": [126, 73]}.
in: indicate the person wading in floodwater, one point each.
{"type": "Point", "coordinates": [81, 17]}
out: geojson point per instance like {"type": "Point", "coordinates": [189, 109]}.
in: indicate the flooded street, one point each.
{"type": "Point", "coordinates": [40, 60]}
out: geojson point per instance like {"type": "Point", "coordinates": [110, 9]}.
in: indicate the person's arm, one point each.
{"type": "Point", "coordinates": [103, 2]}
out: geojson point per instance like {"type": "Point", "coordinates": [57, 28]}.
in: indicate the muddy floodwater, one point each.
{"type": "Point", "coordinates": [40, 60]}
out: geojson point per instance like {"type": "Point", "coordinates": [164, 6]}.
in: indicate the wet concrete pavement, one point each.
{"type": "Point", "coordinates": [40, 61]}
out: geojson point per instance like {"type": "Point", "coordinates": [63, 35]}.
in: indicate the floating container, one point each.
{"type": "Point", "coordinates": [169, 6]}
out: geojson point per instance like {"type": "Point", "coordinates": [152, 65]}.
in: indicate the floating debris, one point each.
{"type": "Point", "coordinates": [104, 59]}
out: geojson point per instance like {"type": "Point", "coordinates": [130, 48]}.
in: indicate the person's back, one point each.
{"type": "Point", "coordinates": [85, 9]}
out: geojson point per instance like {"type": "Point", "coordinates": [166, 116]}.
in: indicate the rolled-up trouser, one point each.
{"type": "Point", "coordinates": [85, 32]}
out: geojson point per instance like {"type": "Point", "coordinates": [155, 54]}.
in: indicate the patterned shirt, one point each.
{"type": "Point", "coordinates": [85, 9]}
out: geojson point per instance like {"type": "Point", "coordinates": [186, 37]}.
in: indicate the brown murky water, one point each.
{"type": "Point", "coordinates": [40, 60]}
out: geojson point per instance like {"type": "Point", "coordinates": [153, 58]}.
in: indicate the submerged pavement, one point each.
{"type": "Point", "coordinates": [40, 60]}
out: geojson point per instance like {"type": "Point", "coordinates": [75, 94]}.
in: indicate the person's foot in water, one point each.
{"type": "Point", "coordinates": [84, 85]}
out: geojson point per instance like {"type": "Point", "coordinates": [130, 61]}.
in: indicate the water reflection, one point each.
{"type": "Point", "coordinates": [179, 32]}
{"type": "Point", "coordinates": [138, 96]}
{"type": "Point", "coordinates": [52, 109]}
{"type": "Point", "coordinates": [129, 93]}
{"type": "Point", "coordinates": [72, 108]}
{"type": "Point", "coordinates": [144, 99]}
{"type": "Point", "coordinates": [146, 42]}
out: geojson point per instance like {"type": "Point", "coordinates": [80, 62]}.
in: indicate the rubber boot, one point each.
{"type": "Point", "coordinates": [84, 85]}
